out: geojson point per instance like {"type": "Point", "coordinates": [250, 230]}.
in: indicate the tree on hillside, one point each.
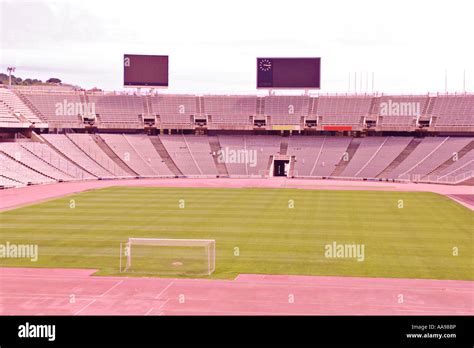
{"type": "Point", "coordinates": [53, 80]}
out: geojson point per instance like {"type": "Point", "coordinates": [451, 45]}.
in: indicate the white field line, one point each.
{"type": "Point", "coordinates": [113, 287]}
{"type": "Point", "coordinates": [162, 291]}
{"type": "Point", "coordinates": [87, 305]}
{"type": "Point", "coordinates": [159, 308]}
{"type": "Point", "coordinates": [298, 303]}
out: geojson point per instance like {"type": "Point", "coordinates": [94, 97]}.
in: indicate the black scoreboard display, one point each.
{"type": "Point", "coordinates": [145, 70]}
{"type": "Point", "coordinates": [303, 73]}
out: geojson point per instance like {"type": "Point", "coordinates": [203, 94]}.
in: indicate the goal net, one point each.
{"type": "Point", "coordinates": [168, 256]}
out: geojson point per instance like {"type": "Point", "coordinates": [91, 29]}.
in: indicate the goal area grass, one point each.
{"type": "Point", "coordinates": [256, 231]}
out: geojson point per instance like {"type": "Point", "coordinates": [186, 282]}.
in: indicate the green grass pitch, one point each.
{"type": "Point", "coordinates": [415, 241]}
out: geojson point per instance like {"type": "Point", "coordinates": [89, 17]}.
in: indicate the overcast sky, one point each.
{"type": "Point", "coordinates": [213, 44]}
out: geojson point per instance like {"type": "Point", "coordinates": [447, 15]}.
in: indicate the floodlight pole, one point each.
{"type": "Point", "coordinates": [366, 82]}
{"type": "Point", "coordinates": [373, 78]}
{"type": "Point", "coordinates": [10, 69]}
{"type": "Point", "coordinates": [355, 82]}
{"type": "Point", "coordinates": [464, 81]}
{"type": "Point", "coordinates": [446, 80]}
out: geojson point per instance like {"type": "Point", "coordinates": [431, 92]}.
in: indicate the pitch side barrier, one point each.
{"type": "Point", "coordinates": [351, 178]}
{"type": "Point", "coordinates": [438, 179]}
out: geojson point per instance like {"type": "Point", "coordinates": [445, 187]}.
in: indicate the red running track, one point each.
{"type": "Point", "coordinates": [36, 291]}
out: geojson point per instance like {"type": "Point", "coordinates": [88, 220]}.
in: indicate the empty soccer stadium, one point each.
{"type": "Point", "coordinates": [289, 200]}
{"type": "Point", "coordinates": [322, 137]}
{"type": "Point", "coordinates": [294, 163]}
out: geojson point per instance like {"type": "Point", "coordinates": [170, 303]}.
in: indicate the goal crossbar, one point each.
{"type": "Point", "coordinates": [170, 242]}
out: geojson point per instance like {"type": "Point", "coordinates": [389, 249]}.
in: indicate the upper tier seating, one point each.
{"type": "Point", "coordinates": [7, 118]}
{"type": "Point", "coordinates": [62, 108]}
{"type": "Point", "coordinates": [343, 110]}
{"type": "Point", "coordinates": [118, 108]}
{"type": "Point", "coordinates": [230, 109]}
{"type": "Point", "coordinates": [454, 110]}
{"type": "Point", "coordinates": [174, 109]}
{"type": "Point", "coordinates": [16, 105]}
{"type": "Point", "coordinates": [123, 111]}
{"type": "Point", "coordinates": [400, 110]}
{"type": "Point", "coordinates": [286, 110]}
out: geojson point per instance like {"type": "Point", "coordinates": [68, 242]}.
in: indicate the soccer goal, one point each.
{"type": "Point", "coordinates": [168, 256]}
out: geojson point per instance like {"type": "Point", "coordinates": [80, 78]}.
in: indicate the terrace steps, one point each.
{"type": "Point", "coordinates": [284, 146]}
{"type": "Point", "coordinates": [351, 150]}
{"type": "Point", "coordinates": [269, 165]}
{"type": "Point", "coordinates": [88, 155]}
{"type": "Point", "coordinates": [163, 153]}
{"type": "Point", "coordinates": [30, 105]}
{"type": "Point", "coordinates": [372, 157]}
{"type": "Point", "coordinates": [313, 107]}
{"type": "Point", "coordinates": [113, 156]}
{"type": "Point", "coordinates": [401, 157]}
{"type": "Point", "coordinates": [449, 162]}
{"type": "Point", "coordinates": [192, 156]}
{"type": "Point", "coordinates": [427, 156]}
{"type": "Point", "coordinates": [145, 105]}
{"type": "Point", "coordinates": [427, 109]}
{"type": "Point", "coordinates": [373, 109]}
{"type": "Point", "coordinates": [215, 147]}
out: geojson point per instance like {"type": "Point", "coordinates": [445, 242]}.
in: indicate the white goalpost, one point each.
{"type": "Point", "coordinates": [168, 256]}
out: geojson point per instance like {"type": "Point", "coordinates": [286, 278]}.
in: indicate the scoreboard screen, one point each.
{"type": "Point", "coordinates": [289, 73]}
{"type": "Point", "coordinates": [145, 70]}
